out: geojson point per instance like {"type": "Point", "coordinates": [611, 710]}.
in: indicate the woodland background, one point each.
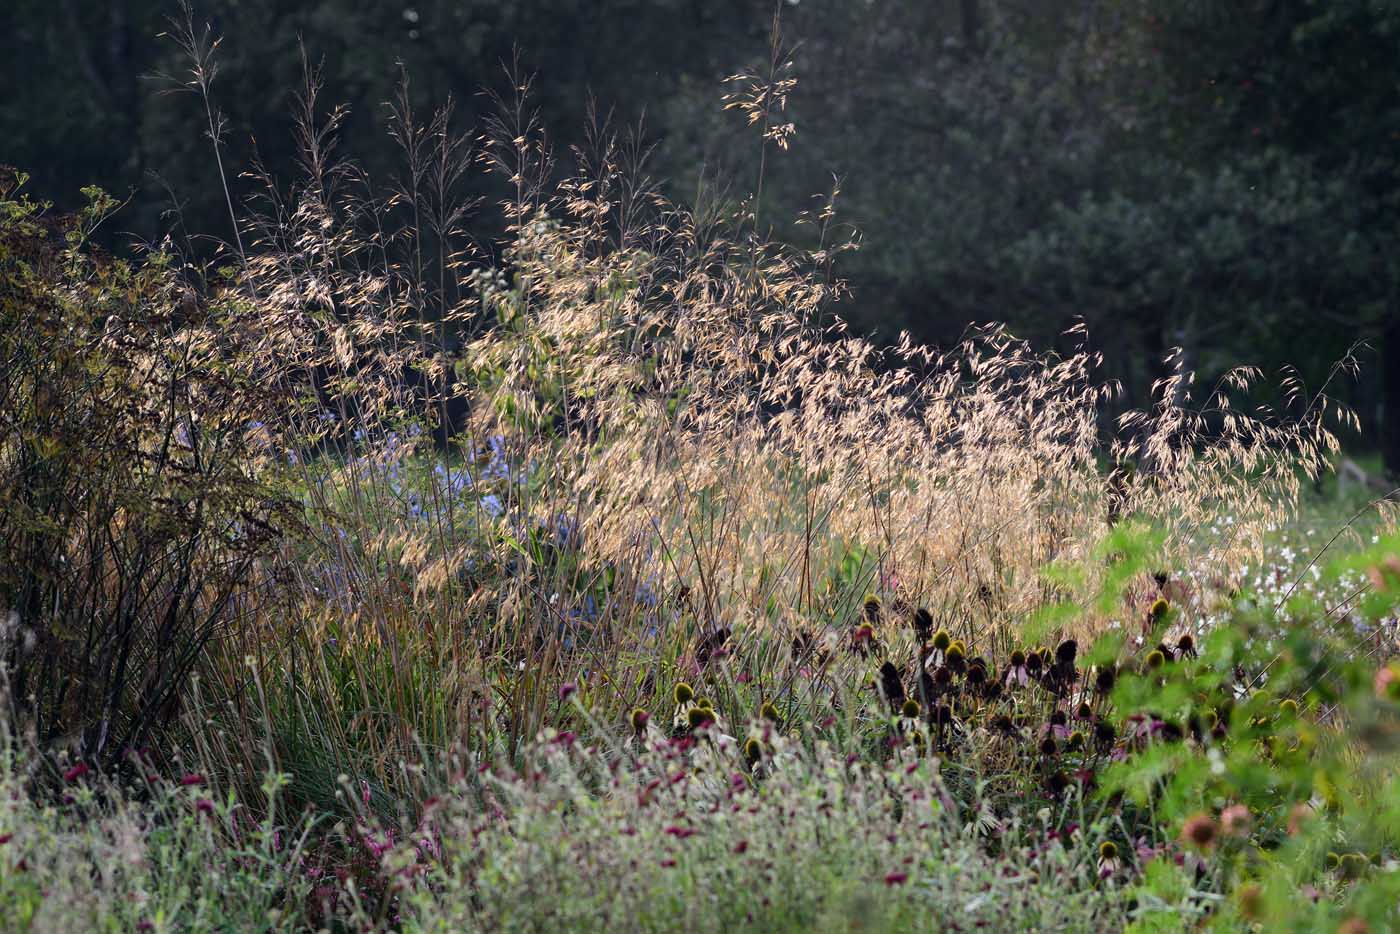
{"type": "Point", "coordinates": [1219, 177]}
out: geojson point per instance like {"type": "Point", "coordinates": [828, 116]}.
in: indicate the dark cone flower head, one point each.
{"type": "Point", "coordinates": [1108, 850]}
{"type": "Point", "coordinates": [976, 675]}
{"type": "Point", "coordinates": [1200, 831]}
{"type": "Point", "coordinates": [753, 751]}
{"type": "Point", "coordinates": [1058, 718]}
{"type": "Point", "coordinates": [872, 608]}
{"type": "Point", "coordinates": [1018, 659]}
{"type": "Point", "coordinates": [1155, 659]}
{"type": "Point", "coordinates": [1288, 708]}
{"type": "Point", "coordinates": [1354, 865]}
{"type": "Point", "coordinates": [699, 716]}
{"type": "Point", "coordinates": [1186, 647]}
{"type": "Point", "coordinates": [1104, 679]}
{"type": "Point", "coordinates": [891, 686]}
{"type": "Point", "coordinates": [1034, 662]}
{"type": "Point", "coordinates": [683, 693]}
{"type": "Point", "coordinates": [639, 720]}
{"type": "Point", "coordinates": [1067, 652]}
{"type": "Point", "coordinates": [769, 712]}
{"type": "Point", "coordinates": [910, 708]}
{"type": "Point", "coordinates": [956, 659]}
{"type": "Point", "coordinates": [923, 624]}
{"type": "Point", "coordinates": [1075, 742]}
{"type": "Point", "coordinates": [1160, 608]}
{"type": "Point", "coordinates": [942, 641]}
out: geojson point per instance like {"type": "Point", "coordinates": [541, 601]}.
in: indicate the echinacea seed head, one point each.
{"type": "Point", "coordinates": [1104, 679]}
{"type": "Point", "coordinates": [1354, 865]}
{"type": "Point", "coordinates": [683, 693]}
{"type": "Point", "coordinates": [1199, 831]}
{"type": "Point", "coordinates": [923, 624]}
{"type": "Point", "coordinates": [1066, 652]}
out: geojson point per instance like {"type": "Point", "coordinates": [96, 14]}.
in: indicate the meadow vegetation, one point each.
{"type": "Point", "coordinates": [367, 579]}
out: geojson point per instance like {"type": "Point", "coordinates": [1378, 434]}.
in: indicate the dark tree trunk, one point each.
{"type": "Point", "coordinates": [1390, 394]}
